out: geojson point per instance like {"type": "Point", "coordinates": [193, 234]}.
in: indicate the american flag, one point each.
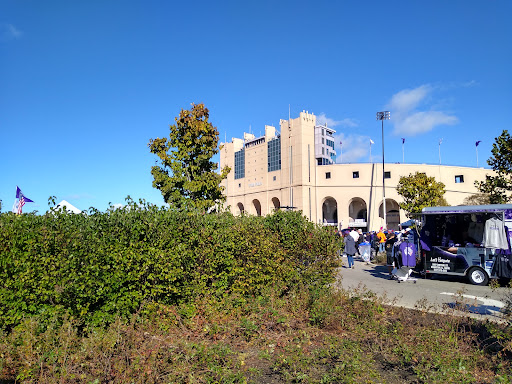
{"type": "Point", "coordinates": [21, 203]}
{"type": "Point", "coordinates": [21, 200]}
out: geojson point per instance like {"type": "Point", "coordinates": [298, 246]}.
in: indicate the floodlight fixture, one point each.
{"type": "Point", "coordinates": [384, 115]}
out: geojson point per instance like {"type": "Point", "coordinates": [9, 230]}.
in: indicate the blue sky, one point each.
{"type": "Point", "coordinates": [85, 85]}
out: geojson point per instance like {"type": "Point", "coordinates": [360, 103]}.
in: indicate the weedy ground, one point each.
{"type": "Point", "coordinates": [327, 336]}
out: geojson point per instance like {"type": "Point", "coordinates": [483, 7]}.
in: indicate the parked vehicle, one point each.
{"type": "Point", "coordinates": [471, 241]}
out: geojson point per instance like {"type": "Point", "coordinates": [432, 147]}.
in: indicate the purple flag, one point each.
{"type": "Point", "coordinates": [20, 201]}
{"type": "Point", "coordinates": [478, 142]}
{"type": "Point", "coordinates": [403, 140]}
{"type": "Point", "coordinates": [20, 195]}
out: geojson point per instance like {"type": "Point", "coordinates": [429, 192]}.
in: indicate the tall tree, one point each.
{"type": "Point", "coordinates": [186, 176]}
{"type": "Point", "coordinates": [499, 187]}
{"type": "Point", "coordinates": [477, 199]}
{"type": "Point", "coordinates": [419, 191]}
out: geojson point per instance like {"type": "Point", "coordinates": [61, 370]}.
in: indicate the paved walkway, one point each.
{"type": "Point", "coordinates": [444, 294]}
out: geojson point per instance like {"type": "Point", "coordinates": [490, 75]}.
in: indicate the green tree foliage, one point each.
{"type": "Point", "coordinates": [442, 202]}
{"type": "Point", "coordinates": [419, 191]}
{"type": "Point", "coordinates": [477, 199]}
{"type": "Point", "coordinates": [499, 187]}
{"type": "Point", "coordinates": [186, 176]}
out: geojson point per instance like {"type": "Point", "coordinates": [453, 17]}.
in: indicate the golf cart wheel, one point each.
{"type": "Point", "coordinates": [477, 276]}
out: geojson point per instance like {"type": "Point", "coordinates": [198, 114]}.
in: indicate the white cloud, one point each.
{"type": "Point", "coordinates": [9, 32]}
{"type": "Point", "coordinates": [349, 123]}
{"type": "Point", "coordinates": [322, 119]}
{"type": "Point", "coordinates": [408, 99]}
{"type": "Point", "coordinates": [413, 113]}
{"type": "Point", "coordinates": [458, 84]}
{"type": "Point", "coordinates": [422, 122]}
{"type": "Point", "coordinates": [471, 83]}
{"type": "Point", "coordinates": [355, 148]}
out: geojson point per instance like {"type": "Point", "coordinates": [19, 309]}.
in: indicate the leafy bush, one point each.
{"type": "Point", "coordinates": [97, 265]}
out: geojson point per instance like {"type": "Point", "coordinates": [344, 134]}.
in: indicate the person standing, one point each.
{"type": "Point", "coordinates": [350, 249]}
{"type": "Point", "coordinates": [374, 241]}
{"type": "Point", "coordinates": [382, 240]}
{"type": "Point", "coordinates": [359, 240]}
{"type": "Point", "coordinates": [390, 242]}
{"type": "Point", "coordinates": [354, 234]}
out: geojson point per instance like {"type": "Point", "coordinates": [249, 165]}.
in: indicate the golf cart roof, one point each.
{"type": "Point", "coordinates": [467, 209]}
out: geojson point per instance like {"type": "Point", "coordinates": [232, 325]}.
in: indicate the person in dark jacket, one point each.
{"type": "Point", "coordinates": [350, 248]}
{"type": "Point", "coordinates": [390, 242]}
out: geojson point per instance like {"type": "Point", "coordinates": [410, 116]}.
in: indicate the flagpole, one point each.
{"type": "Point", "coordinates": [15, 205]}
{"type": "Point", "coordinates": [403, 152]}
{"type": "Point", "coordinates": [476, 147]}
{"type": "Point", "coordinates": [371, 142]}
{"type": "Point", "coordinates": [440, 141]}
{"type": "Point", "coordinates": [341, 152]}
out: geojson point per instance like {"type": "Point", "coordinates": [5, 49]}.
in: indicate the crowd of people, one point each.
{"type": "Point", "coordinates": [380, 242]}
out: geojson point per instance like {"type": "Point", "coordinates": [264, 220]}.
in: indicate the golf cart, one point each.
{"type": "Point", "coordinates": [471, 241]}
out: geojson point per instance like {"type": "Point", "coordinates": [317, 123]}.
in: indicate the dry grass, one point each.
{"type": "Point", "coordinates": [320, 337]}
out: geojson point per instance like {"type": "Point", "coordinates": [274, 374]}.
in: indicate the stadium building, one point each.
{"type": "Point", "coordinates": [296, 169]}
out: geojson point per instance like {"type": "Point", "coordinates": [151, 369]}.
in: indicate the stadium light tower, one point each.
{"type": "Point", "coordinates": [384, 115]}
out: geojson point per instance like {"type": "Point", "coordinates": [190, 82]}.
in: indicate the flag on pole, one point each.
{"type": "Point", "coordinates": [476, 148]}
{"type": "Point", "coordinates": [403, 152]}
{"type": "Point", "coordinates": [20, 201]}
{"type": "Point", "coordinates": [371, 141]}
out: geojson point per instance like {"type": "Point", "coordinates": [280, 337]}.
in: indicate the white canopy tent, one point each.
{"type": "Point", "coordinates": [70, 208]}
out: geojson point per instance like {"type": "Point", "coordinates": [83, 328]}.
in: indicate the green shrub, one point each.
{"type": "Point", "coordinates": [96, 265]}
